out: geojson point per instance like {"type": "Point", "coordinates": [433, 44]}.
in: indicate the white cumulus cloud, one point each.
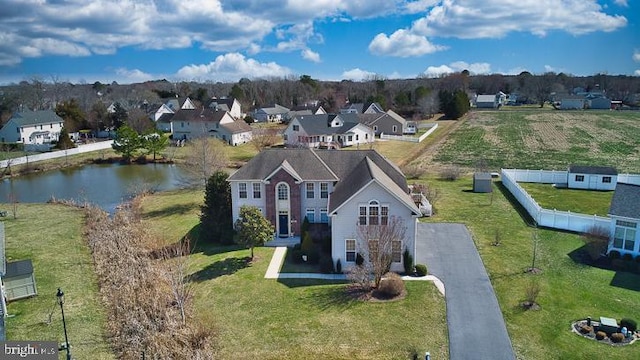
{"type": "Point", "coordinates": [457, 66]}
{"type": "Point", "coordinates": [232, 67]}
{"type": "Point", "coordinates": [469, 19]}
{"type": "Point", "coordinates": [636, 55]}
{"type": "Point", "coordinates": [357, 74]}
{"type": "Point", "coordinates": [622, 3]}
{"type": "Point", "coordinates": [310, 55]}
{"type": "Point", "coordinates": [132, 76]}
{"type": "Point", "coordinates": [402, 43]}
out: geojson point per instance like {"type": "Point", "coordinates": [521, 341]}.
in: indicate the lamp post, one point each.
{"type": "Point", "coordinates": [60, 296]}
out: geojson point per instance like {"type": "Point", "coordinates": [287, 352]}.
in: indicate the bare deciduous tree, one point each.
{"type": "Point", "coordinates": [596, 240]}
{"type": "Point", "coordinates": [204, 157]}
{"type": "Point", "coordinates": [380, 245]}
{"type": "Point", "coordinates": [264, 137]}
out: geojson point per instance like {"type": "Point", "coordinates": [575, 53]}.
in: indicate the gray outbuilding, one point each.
{"type": "Point", "coordinates": [482, 182]}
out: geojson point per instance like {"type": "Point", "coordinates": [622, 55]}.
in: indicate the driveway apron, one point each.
{"type": "Point", "coordinates": [476, 326]}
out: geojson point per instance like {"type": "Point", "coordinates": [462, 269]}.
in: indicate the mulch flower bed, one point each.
{"type": "Point", "coordinates": [577, 326]}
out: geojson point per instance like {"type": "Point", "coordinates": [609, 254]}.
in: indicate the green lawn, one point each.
{"type": "Point", "coordinates": [549, 139]}
{"type": "Point", "coordinates": [574, 200]}
{"type": "Point", "coordinates": [50, 235]}
{"type": "Point", "coordinates": [293, 319]}
{"type": "Point", "coordinates": [570, 290]}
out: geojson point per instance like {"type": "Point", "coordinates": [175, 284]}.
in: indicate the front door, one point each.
{"type": "Point", "coordinates": [283, 225]}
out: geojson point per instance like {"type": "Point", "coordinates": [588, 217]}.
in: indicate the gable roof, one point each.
{"type": "Point", "coordinates": [626, 201]}
{"type": "Point", "coordinates": [600, 170]}
{"type": "Point", "coordinates": [204, 114]}
{"type": "Point", "coordinates": [236, 127]}
{"type": "Point", "coordinates": [305, 162]}
{"type": "Point", "coordinates": [486, 98]}
{"type": "Point", "coordinates": [224, 104]}
{"type": "Point", "coordinates": [273, 109]}
{"type": "Point", "coordinates": [320, 124]}
{"type": "Point", "coordinates": [36, 117]}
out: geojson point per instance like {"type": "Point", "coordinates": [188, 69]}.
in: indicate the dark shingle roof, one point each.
{"type": "Point", "coordinates": [626, 201]}
{"type": "Point", "coordinates": [205, 114]}
{"type": "Point", "coordinates": [304, 161]}
{"type": "Point", "coordinates": [319, 124]}
{"type": "Point", "coordinates": [600, 170]}
{"type": "Point", "coordinates": [19, 268]}
{"type": "Point", "coordinates": [36, 117]}
{"type": "Point", "coordinates": [236, 127]}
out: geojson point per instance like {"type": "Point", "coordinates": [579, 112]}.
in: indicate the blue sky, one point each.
{"type": "Point", "coordinates": [225, 40]}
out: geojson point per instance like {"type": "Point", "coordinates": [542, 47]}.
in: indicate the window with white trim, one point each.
{"type": "Point", "coordinates": [362, 217]}
{"type": "Point", "coordinates": [350, 249]}
{"type": "Point", "coordinates": [242, 190]}
{"type": "Point", "coordinates": [311, 190]}
{"type": "Point", "coordinates": [374, 212]}
{"type": "Point", "coordinates": [396, 251]}
{"type": "Point", "coordinates": [311, 215]}
{"type": "Point", "coordinates": [624, 236]}
{"type": "Point", "coordinates": [384, 215]}
{"type": "Point", "coordinates": [395, 128]}
{"type": "Point", "coordinates": [373, 249]}
{"type": "Point", "coordinates": [324, 216]}
{"type": "Point", "coordinates": [257, 194]}
{"type": "Point", "coordinates": [283, 192]}
{"type": "Point", "coordinates": [324, 190]}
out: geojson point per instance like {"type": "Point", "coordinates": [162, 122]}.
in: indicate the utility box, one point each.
{"type": "Point", "coordinates": [482, 182]}
{"type": "Point", "coordinates": [608, 325]}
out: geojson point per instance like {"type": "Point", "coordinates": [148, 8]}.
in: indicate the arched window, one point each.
{"type": "Point", "coordinates": [374, 212]}
{"type": "Point", "coordinates": [283, 192]}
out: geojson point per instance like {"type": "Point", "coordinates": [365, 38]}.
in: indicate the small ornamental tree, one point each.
{"type": "Point", "coordinates": [64, 141]}
{"type": "Point", "coordinates": [216, 222]}
{"type": "Point", "coordinates": [377, 243]}
{"type": "Point", "coordinates": [154, 142]}
{"type": "Point", "coordinates": [126, 143]}
{"type": "Point", "coordinates": [252, 228]}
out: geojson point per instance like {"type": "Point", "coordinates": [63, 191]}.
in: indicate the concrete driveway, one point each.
{"type": "Point", "coordinates": [476, 326]}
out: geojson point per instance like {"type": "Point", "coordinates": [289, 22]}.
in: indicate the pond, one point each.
{"type": "Point", "coordinates": [105, 185]}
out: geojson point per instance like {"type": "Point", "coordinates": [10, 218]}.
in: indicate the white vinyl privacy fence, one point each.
{"type": "Point", "coordinates": [57, 154]}
{"type": "Point", "coordinates": [564, 220]}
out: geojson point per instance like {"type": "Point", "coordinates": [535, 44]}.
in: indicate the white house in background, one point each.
{"type": "Point", "coordinates": [230, 105]}
{"type": "Point", "coordinates": [161, 110]}
{"type": "Point", "coordinates": [327, 130]}
{"type": "Point", "coordinates": [490, 101]}
{"type": "Point", "coordinates": [592, 177]}
{"type": "Point", "coordinates": [572, 102]}
{"type": "Point", "coordinates": [339, 189]}
{"type": "Point", "coordinates": [272, 113]}
{"type": "Point", "coordinates": [625, 217]}
{"type": "Point", "coordinates": [180, 104]}
{"type": "Point", "coordinates": [32, 128]}
{"type": "Point", "coordinates": [195, 123]}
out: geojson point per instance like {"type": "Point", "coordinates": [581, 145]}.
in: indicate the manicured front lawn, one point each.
{"type": "Point", "coordinates": [570, 289]}
{"type": "Point", "coordinates": [574, 200]}
{"type": "Point", "coordinates": [293, 319]}
{"type": "Point", "coordinates": [50, 235]}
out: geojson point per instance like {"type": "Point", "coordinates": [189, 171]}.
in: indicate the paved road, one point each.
{"type": "Point", "coordinates": [476, 326]}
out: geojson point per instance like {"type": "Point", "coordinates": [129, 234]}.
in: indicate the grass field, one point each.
{"type": "Point", "coordinates": [574, 200]}
{"type": "Point", "coordinates": [268, 319]}
{"type": "Point", "coordinates": [570, 290]}
{"type": "Point", "coordinates": [549, 139]}
{"type": "Point", "coordinates": [50, 235]}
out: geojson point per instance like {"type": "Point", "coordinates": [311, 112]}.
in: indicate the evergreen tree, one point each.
{"type": "Point", "coordinates": [154, 142]}
{"type": "Point", "coordinates": [216, 223]}
{"type": "Point", "coordinates": [453, 104]}
{"type": "Point", "coordinates": [126, 142]}
{"type": "Point", "coordinates": [64, 141]}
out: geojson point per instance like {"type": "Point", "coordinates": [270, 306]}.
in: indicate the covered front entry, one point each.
{"type": "Point", "coordinates": [283, 224]}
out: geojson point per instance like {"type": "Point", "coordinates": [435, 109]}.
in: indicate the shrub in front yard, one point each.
{"type": "Point", "coordinates": [451, 173]}
{"type": "Point", "coordinates": [407, 259]}
{"type": "Point", "coordinates": [617, 337]}
{"type": "Point", "coordinates": [338, 267]}
{"type": "Point", "coordinates": [586, 329]}
{"type": "Point", "coordinates": [630, 324]}
{"type": "Point", "coordinates": [421, 270]}
{"type": "Point", "coordinates": [391, 285]}
{"type": "Point", "coordinates": [326, 265]}
{"type": "Point", "coordinates": [627, 257]}
{"type": "Point", "coordinates": [614, 254]}
{"type": "Point", "coordinates": [600, 335]}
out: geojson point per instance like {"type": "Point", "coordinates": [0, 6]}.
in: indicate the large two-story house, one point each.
{"type": "Point", "coordinates": [193, 123]}
{"type": "Point", "coordinates": [32, 128]}
{"type": "Point", "coordinates": [327, 130]}
{"type": "Point", "coordinates": [339, 188]}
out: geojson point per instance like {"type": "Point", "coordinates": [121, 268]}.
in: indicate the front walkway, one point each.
{"type": "Point", "coordinates": [273, 272]}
